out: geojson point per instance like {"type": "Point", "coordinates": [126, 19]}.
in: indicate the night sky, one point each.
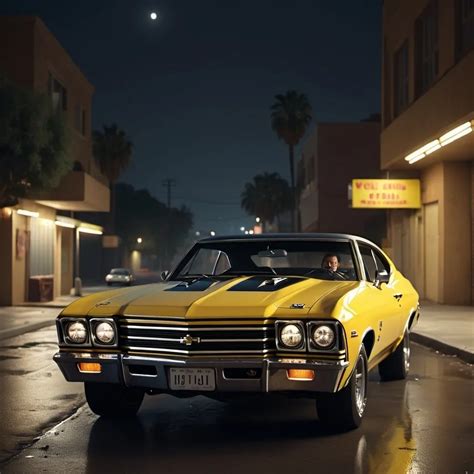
{"type": "Point", "coordinates": [193, 89]}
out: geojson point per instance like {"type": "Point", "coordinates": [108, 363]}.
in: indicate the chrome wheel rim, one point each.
{"type": "Point", "coordinates": [406, 353]}
{"type": "Point", "coordinates": [360, 386]}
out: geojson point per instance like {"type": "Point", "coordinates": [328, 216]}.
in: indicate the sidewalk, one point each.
{"type": "Point", "coordinates": [16, 320]}
{"type": "Point", "coordinates": [447, 329]}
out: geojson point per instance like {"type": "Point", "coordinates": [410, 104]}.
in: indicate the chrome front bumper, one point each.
{"type": "Point", "coordinates": [121, 369]}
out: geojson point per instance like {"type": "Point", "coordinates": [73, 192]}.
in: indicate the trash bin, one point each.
{"type": "Point", "coordinates": [40, 288]}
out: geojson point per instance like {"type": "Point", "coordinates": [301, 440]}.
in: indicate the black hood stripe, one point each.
{"type": "Point", "coordinates": [265, 283]}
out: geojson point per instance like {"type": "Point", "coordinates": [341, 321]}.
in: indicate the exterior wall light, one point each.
{"type": "Point", "coordinates": [24, 212]}
{"type": "Point", "coordinates": [443, 140]}
{"type": "Point", "coordinates": [64, 224]}
{"type": "Point", "coordinates": [456, 133]}
{"type": "Point", "coordinates": [87, 230]}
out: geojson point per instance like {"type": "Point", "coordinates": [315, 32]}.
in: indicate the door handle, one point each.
{"type": "Point", "coordinates": [398, 296]}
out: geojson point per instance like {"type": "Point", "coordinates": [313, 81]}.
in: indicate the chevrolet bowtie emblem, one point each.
{"type": "Point", "coordinates": [188, 340]}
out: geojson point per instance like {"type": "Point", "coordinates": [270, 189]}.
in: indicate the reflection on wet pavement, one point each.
{"type": "Point", "coordinates": [421, 425]}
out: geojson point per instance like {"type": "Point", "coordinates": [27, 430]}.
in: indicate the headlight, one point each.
{"type": "Point", "coordinates": [291, 335]}
{"type": "Point", "coordinates": [105, 332]}
{"type": "Point", "coordinates": [77, 332]}
{"type": "Point", "coordinates": [323, 336]}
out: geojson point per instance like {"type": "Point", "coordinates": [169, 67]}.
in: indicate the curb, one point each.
{"type": "Point", "coordinates": [18, 331]}
{"type": "Point", "coordinates": [442, 347]}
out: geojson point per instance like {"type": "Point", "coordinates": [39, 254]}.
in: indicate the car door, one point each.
{"type": "Point", "coordinates": [383, 298]}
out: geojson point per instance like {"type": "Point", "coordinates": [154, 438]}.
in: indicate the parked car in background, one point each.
{"type": "Point", "coordinates": [119, 276]}
{"type": "Point", "coordinates": [300, 314]}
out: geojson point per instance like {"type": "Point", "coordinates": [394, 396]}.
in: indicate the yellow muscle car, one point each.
{"type": "Point", "coordinates": [304, 314]}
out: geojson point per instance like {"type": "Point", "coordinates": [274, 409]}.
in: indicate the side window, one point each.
{"type": "Point", "coordinates": [223, 263]}
{"type": "Point", "coordinates": [369, 262]}
{"type": "Point", "coordinates": [381, 262]}
{"type": "Point", "coordinates": [204, 262]}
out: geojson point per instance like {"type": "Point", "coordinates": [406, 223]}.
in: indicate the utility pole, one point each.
{"type": "Point", "coordinates": [168, 183]}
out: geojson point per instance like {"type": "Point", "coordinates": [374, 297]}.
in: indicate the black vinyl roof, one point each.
{"type": "Point", "coordinates": [284, 236]}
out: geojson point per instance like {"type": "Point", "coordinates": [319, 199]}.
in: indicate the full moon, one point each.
{"type": "Point", "coordinates": [153, 16]}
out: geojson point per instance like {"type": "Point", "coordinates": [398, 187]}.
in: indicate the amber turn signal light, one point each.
{"type": "Point", "coordinates": [300, 374]}
{"type": "Point", "coordinates": [89, 367]}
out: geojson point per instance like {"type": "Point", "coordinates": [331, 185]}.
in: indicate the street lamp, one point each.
{"type": "Point", "coordinates": [212, 233]}
{"type": "Point", "coordinates": [257, 220]}
{"type": "Point", "coordinates": [242, 229]}
{"type": "Point", "coordinates": [139, 240]}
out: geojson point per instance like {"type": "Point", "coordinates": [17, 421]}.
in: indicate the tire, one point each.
{"type": "Point", "coordinates": [397, 364]}
{"type": "Point", "coordinates": [345, 409]}
{"type": "Point", "coordinates": [113, 400]}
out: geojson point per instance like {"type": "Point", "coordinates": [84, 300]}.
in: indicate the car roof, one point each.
{"type": "Point", "coordinates": [285, 236]}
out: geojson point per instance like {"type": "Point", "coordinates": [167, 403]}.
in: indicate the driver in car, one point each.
{"type": "Point", "coordinates": [331, 262]}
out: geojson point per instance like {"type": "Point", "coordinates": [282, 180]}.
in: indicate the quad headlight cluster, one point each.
{"type": "Point", "coordinates": [97, 332]}
{"type": "Point", "coordinates": [313, 335]}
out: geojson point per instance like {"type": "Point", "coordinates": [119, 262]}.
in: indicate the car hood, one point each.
{"type": "Point", "coordinates": [240, 297]}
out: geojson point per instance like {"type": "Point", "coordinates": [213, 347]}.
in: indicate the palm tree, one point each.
{"type": "Point", "coordinates": [291, 114]}
{"type": "Point", "coordinates": [266, 196]}
{"type": "Point", "coordinates": [113, 152]}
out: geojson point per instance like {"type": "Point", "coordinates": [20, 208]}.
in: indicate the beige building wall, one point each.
{"type": "Point", "coordinates": [433, 245]}
{"type": "Point", "coordinates": [31, 59]}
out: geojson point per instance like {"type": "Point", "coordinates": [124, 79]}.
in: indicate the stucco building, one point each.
{"type": "Point", "coordinates": [332, 155]}
{"type": "Point", "coordinates": [427, 123]}
{"type": "Point", "coordinates": [34, 240]}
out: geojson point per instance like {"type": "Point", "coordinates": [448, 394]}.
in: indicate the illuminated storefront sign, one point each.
{"type": "Point", "coordinates": [386, 193]}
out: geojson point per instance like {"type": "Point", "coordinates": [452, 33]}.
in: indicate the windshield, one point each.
{"type": "Point", "coordinates": [328, 260]}
{"type": "Point", "coordinates": [119, 271]}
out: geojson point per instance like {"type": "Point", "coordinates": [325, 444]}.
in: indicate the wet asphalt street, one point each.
{"type": "Point", "coordinates": [422, 425]}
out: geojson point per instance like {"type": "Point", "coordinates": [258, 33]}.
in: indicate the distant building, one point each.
{"type": "Point", "coordinates": [38, 242]}
{"type": "Point", "coordinates": [427, 122]}
{"type": "Point", "coordinates": [332, 156]}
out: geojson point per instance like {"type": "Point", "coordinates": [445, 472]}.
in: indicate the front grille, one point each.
{"type": "Point", "coordinates": [182, 338]}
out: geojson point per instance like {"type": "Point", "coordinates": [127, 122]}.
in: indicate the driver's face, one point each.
{"type": "Point", "coordinates": [331, 263]}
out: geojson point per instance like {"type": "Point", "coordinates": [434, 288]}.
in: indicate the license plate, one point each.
{"type": "Point", "coordinates": [192, 379]}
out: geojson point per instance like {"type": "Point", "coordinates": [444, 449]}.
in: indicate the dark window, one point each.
{"type": "Point", "coordinates": [427, 48]}
{"type": "Point", "coordinates": [80, 120]}
{"type": "Point", "coordinates": [369, 262]}
{"type": "Point", "coordinates": [83, 123]}
{"type": "Point", "coordinates": [58, 94]}
{"type": "Point", "coordinates": [464, 26]}
{"type": "Point", "coordinates": [400, 80]}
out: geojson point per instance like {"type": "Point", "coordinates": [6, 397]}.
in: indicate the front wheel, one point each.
{"type": "Point", "coordinates": [397, 364]}
{"type": "Point", "coordinates": [112, 400]}
{"type": "Point", "coordinates": [345, 409]}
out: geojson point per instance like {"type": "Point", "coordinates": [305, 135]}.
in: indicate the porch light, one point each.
{"type": "Point", "coordinates": [24, 212]}
{"type": "Point", "coordinates": [87, 230]}
{"type": "Point", "coordinates": [64, 224]}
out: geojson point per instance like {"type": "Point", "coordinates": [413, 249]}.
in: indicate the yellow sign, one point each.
{"type": "Point", "coordinates": [386, 193]}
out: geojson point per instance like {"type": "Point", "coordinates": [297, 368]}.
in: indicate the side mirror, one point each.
{"type": "Point", "coordinates": [381, 277]}
{"type": "Point", "coordinates": [164, 275]}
